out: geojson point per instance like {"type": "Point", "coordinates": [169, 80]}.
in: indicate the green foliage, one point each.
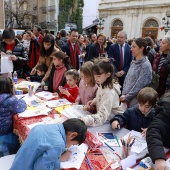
{"type": "Point", "coordinates": [70, 10]}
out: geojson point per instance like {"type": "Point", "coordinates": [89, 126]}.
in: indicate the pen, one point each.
{"type": "Point", "coordinates": [98, 154]}
{"type": "Point", "coordinates": [88, 162]}
{"type": "Point", "coordinates": [66, 88]}
{"type": "Point", "coordinates": [109, 146]}
{"type": "Point", "coordinates": [21, 98]}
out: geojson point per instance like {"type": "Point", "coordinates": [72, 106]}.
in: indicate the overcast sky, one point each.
{"type": "Point", "coordinates": [90, 11]}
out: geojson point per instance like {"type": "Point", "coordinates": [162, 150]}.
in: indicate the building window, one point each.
{"type": "Point", "coordinates": [151, 23]}
{"type": "Point", "coordinates": [117, 23]}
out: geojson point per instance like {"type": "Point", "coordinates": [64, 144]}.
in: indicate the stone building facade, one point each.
{"type": "Point", "coordinates": [2, 14]}
{"type": "Point", "coordinates": [136, 17]}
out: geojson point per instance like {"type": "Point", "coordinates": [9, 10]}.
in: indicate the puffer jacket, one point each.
{"type": "Point", "coordinates": [20, 53]}
{"type": "Point", "coordinates": [8, 105]}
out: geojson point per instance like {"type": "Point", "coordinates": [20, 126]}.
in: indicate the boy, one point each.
{"type": "Point", "coordinates": [139, 116]}
{"type": "Point", "coordinates": [46, 145]}
{"type": "Point", "coordinates": [41, 70]}
{"type": "Point", "coordinates": [157, 136]}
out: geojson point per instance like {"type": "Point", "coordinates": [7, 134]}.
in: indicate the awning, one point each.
{"type": "Point", "coordinates": [92, 25]}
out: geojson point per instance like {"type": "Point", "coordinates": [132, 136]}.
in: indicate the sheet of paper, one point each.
{"type": "Point", "coordinates": [45, 95]}
{"type": "Point", "coordinates": [75, 111]}
{"type": "Point", "coordinates": [6, 64]}
{"type": "Point", "coordinates": [76, 158]}
{"type": "Point", "coordinates": [57, 103]}
{"type": "Point", "coordinates": [168, 163]}
{"type": "Point", "coordinates": [128, 162]}
{"type": "Point", "coordinates": [140, 143]}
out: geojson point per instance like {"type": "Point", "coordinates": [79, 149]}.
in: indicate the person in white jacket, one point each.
{"type": "Point", "coordinates": [107, 97]}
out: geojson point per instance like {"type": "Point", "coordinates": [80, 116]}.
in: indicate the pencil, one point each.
{"type": "Point", "coordinates": [109, 146]}
{"type": "Point", "coordinates": [107, 166]}
{"type": "Point", "coordinates": [21, 98]}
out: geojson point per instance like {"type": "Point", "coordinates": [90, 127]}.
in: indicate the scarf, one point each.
{"type": "Point", "coordinates": [101, 49]}
{"type": "Point", "coordinates": [58, 76]}
{"type": "Point", "coordinates": [73, 54]}
{"type": "Point", "coordinates": [34, 57]}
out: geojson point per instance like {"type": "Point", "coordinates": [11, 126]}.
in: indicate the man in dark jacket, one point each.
{"type": "Point", "coordinates": [11, 45]}
{"type": "Point", "coordinates": [157, 136]}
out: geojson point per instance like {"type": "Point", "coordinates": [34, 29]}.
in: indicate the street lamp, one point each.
{"type": "Point", "coordinates": [166, 23]}
{"type": "Point", "coordinates": [100, 23]}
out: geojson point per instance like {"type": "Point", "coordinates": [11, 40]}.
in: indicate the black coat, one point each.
{"type": "Point", "coordinates": [20, 53]}
{"type": "Point", "coordinates": [158, 133]}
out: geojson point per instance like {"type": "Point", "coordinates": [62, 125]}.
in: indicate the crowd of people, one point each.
{"type": "Point", "coordinates": [97, 72]}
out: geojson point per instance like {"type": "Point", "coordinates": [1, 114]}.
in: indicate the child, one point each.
{"type": "Point", "coordinates": [107, 97]}
{"type": "Point", "coordinates": [26, 41]}
{"type": "Point", "coordinates": [139, 116]}
{"type": "Point", "coordinates": [87, 85]}
{"type": "Point", "coordinates": [157, 136]}
{"type": "Point", "coordinates": [70, 90]}
{"type": "Point", "coordinates": [41, 70]}
{"type": "Point", "coordinates": [60, 66]}
{"type": "Point", "coordinates": [46, 145]}
{"type": "Point", "coordinates": [9, 104]}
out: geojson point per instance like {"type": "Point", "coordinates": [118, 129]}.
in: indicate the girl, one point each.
{"type": "Point", "coordinates": [81, 46]}
{"type": "Point", "coordinates": [107, 97]}
{"type": "Point", "coordinates": [60, 66]}
{"type": "Point", "coordinates": [139, 74]}
{"type": "Point", "coordinates": [70, 90]}
{"type": "Point", "coordinates": [97, 49]}
{"type": "Point", "coordinates": [47, 51]}
{"type": "Point", "coordinates": [87, 85]}
{"type": "Point", "coordinates": [26, 41]}
{"type": "Point", "coordinates": [9, 104]}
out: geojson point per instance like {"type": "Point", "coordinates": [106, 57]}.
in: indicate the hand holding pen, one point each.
{"type": "Point", "coordinates": [64, 91]}
{"type": "Point", "coordinates": [115, 125]}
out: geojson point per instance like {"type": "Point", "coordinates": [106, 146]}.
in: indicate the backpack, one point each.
{"type": "Point", "coordinates": [155, 81]}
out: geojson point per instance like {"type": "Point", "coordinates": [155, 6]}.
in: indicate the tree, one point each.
{"type": "Point", "coordinates": [16, 10]}
{"type": "Point", "coordinates": [71, 11]}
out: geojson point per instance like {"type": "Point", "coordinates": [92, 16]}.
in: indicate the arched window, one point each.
{"type": "Point", "coordinates": [117, 23]}
{"type": "Point", "coordinates": [117, 26]}
{"type": "Point", "coordinates": [151, 23]}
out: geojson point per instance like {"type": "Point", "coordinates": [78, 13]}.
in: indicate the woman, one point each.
{"type": "Point", "coordinates": [139, 74]}
{"type": "Point", "coordinates": [159, 63]}
{"type": "Point", "coordinates": [47, 50]}
{"type": "Point", "coordinates": [81, 46]}
{"type": "Point", "coordinates": [97, 49]}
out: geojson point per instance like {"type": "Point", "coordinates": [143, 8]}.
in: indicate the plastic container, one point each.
{"type": "Point", "coordinates": [15, 77]}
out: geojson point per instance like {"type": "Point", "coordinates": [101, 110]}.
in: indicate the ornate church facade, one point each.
{"type": "Point", "coordinates": [139, 18]}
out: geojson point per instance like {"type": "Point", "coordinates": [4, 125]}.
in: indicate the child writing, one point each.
{"type": "Point", "coordinates": [51, 143]}
{"type": "Point", "coordinates": [70, 90]}
{"type": "Point", "coordinates": [107, 97]}
{"type": "Point", "coordinates": [157, 135]}
{"type": "Point", "coordinates": [87, 85]}
{"type": "Point", "coordinates": [9, 104]}
{"type": "Point", "coordinates": [140, 116]}
{"type": "Point", "coordinates": [60, 66]}
{"type": "Point", "coordinates": [41, 70]}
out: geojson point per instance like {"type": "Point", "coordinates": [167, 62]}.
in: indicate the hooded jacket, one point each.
{"type": "Point", "coordinates": [8, 105]}
{"type": "Point", "coordinates": [107, 105]}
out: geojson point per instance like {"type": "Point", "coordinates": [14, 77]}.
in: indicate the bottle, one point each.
{"type": "Point", "coordinates": [15, 77]}
{"type": "Point", "coordinates": [10, 75]}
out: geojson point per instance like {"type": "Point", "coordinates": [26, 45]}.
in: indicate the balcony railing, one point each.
{"type": "Point", "coordinates": [51, 8]}
{"type": "Point", "coordinates": [43, 9]}
{"type": "Point", "coordinates": [43, 25]}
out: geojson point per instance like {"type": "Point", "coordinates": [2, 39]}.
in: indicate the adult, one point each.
{"type": "Point", "coordinates": [72, 50]}
{"type": "Point", "coordinates": [12, 45]}
{"type": "Point", "coordinates": [93, 38]}
{"type": "Point", "coordinates": [47, 50]}
{"type": "Point", "coordinates": [139, 74]}
{"type": "Point", "coordinates": [36, 40]}
{"type": "Point", "coordinates": [122, 56]}
{"type": "Point", "coordinates": [97, 49]}
{"type": "Point", "coordinates": [63, 39]}
{"type": "Point", "coordinates": [159, 64]}
{"type": "Point", "coordinates": [85, 41]}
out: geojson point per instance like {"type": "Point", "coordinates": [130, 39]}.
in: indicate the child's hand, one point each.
{"type": "Point", "coordinates": [161, 164]}
{"type": "Point", "coordinates": [115, 125]}
{"type": "Point", "coordinates": [65, 156]}
{"type": "Point", "coordinates": [144, 130]}
{"type": "Point", "coordinates": [55, 94]}
{"type": "Point", "coordinates": [28, 78]}
{"type": "Point", "coordinates": [33, 71]}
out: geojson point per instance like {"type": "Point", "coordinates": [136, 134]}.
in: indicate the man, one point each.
{"type": "Point", "coordinates": [122, 56]}
{"type": "Point", "coordinates": [93, 38]}
{"type": "Point", "coordinates": [63, 38]}
{"type": "Point", "coordinates": [72, 49]}
{"type": "Point", "coordinates": [36, 40]}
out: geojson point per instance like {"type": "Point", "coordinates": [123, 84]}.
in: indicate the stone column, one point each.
{"type": "Point", "coordinates": [2, 14]}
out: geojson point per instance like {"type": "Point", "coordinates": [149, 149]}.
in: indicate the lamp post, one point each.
{"type": "Point", "coordinates": [100, 24]}
{"type": "Point", "coordinates": [166, 23]}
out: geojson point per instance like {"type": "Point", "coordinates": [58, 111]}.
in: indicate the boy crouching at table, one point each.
{"type": "Point", "coordinates": [140, 116]}
{"type": "Point", "coordinates": [46, 145]}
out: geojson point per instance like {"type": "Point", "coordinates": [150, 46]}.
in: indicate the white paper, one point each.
{"type": "Point", "coordinates": [168, 163]}
{"type": "Point", "coordinates": [128, 162]}
{"type": "Point", "coordinates": [75, 111]}
{"type": "Point", "coordinates": [45, 95]}
{"type": "Point", "coordinates": [76, 158]}
{"type": "Point", "coordinates": [57, 103]}
{"type": "Point", "coordinates": [6, 64]}
{"type": "Point", "coordinates": [140, 143]}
